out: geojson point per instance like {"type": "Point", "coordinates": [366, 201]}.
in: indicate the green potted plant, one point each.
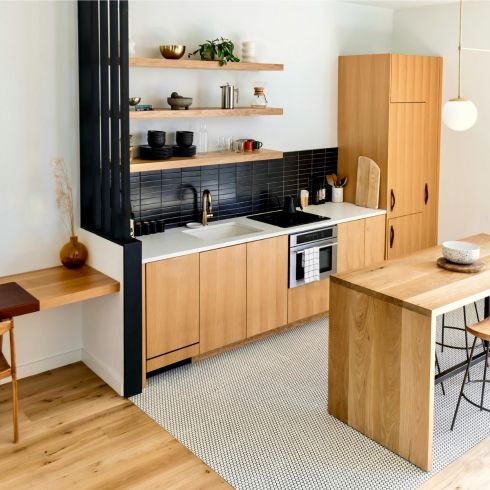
{"type": "Point", "coordinates": [219, 49]}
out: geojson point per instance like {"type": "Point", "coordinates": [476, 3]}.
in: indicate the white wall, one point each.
{"type": "Point", "coordinates": [38, 122]}
{"type": "Point", "coordinates": [306, 36]}
{"type": "Point", "coordinates": [464, 201]}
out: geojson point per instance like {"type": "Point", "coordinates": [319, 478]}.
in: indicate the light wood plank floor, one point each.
{"type": "Point", "coordinates": [76, 432]}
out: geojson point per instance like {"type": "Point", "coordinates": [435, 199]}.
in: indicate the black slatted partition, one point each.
{"type": "Point", "coordinates": [104, 155]}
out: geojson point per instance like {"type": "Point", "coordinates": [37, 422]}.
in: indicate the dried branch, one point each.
{"type": "Point", "coordinates": [64, 195]}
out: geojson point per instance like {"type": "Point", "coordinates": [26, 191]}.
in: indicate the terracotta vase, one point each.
{"type": "Point", "coordinates": [73, 254]}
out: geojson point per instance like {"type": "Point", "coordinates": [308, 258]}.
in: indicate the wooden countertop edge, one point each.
{"type": "Point", "coordinates": [57, 286]}
{"type": "Point", "coordinates": [77, 296]}
{"type": "Point", "coordinates": [384, 297]}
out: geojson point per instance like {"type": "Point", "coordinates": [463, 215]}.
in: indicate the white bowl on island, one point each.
{"type": "Point", "coordinates": [461, 252]}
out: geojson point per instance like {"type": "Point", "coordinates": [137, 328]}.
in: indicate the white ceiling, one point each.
{"type": "Point", "coordinates": [402, 4]}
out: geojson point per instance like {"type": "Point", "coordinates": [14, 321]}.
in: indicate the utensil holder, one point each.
{"type": "Point", "coordinates": [337, 194]}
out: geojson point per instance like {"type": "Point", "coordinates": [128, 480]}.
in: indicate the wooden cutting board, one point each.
{"type": "Point", "coordinates": [367, 190]}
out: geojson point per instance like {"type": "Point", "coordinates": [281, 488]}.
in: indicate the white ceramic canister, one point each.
{"type": "Point", "coordinates": [337, 194]}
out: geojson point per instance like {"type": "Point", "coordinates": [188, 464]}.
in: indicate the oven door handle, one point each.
{"type": "Point", "coordinates": [301, 248]}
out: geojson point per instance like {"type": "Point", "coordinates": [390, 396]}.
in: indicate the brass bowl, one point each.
{"type": "Point", "coordinates": [134, 101]}
{"type": "Point", "coordinates": [172, 51]}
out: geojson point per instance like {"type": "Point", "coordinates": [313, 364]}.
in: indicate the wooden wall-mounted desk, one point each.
{"type": "Point", "coordinates": [58, 286]}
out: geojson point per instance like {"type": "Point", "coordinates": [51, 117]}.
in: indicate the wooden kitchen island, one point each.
{"type": "Point", "coordinates": [382, 345]}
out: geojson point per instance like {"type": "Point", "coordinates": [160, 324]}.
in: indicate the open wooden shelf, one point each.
{"type": "Point", "coordinates": [203, 159]}
{"type": "Point", "coordinates": [203, 65]}
{"type": "Point", "coordinates": [59, 286]}
{"type": "Point", "coordinates": [205, 112]}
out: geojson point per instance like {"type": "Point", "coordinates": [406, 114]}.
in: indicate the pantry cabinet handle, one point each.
{"type": "Point", "coordinates": [392, 236]}
{"type": "Point", "coordinates": [426, 198]}
{"type": "Point", "coordinates": [393, 201]}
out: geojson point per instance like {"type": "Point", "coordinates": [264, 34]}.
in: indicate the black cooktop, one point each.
{"type": "Point", "coordinates": [287, 220]}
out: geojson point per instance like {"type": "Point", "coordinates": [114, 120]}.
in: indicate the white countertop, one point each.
{"type": "Point", "coordinates": [176, 242]}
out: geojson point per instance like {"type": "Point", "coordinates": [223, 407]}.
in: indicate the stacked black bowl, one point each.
{"type": "Point", "coordinates": [184, 146]}
{"type": "Point", "coordinates": [156, 149]}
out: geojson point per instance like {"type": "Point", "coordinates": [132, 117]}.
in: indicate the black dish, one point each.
{"type": "Point", "coordinates": [184, 138]}
{"type": "Point", "coordinates": [156, 139]}
{"type": "Point", "coordinates": [184, 151]}
{"type": "Point", "coordinates": [149, 153]}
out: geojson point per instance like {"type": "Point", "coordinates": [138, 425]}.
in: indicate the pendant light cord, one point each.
{"type": "Point", "coordinates": [460, 46]}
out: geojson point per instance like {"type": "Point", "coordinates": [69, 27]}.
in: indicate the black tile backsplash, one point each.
{"type": "Point", "coordinates": [237, 189]}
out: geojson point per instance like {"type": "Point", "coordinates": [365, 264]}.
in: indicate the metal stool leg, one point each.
{"type": "Point", "coordinates": [484, 382]}
{"type": "Point", "coordinates": [439, 372]}
{"type": "Point", "coordinates": [464, 382]}
{"type": "Point", "coordinates": [443, 328]}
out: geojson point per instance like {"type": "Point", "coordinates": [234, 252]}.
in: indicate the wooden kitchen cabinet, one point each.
{"type": "Point", "coordinates": [406, 153]}
{"type": "Point", "coordinates": [350, 249]}
{"type": "Point", "coordinates": [172, 305]}
{"type": "Point", "coordinates": [360, 243]}
{"type": "Point", "coordinates": [374, 240]}
{"type": "Point", "coordinates": [223, 298]}
{"type": "Point", "coordinates": [390, 110]}
{"type": "Point", "coordinates": [267, 284]}
{"type": "Point", "coordinates": [410, 78]}
{"type": "Point", "coordinates": [308, 300]}
{"type": "Point", "coordinates": [404, 235]}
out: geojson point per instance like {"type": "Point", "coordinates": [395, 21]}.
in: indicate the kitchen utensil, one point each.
{"type": "Point", "coordinates": [177, 102]}
{"type": "Point", "coordinates": [259, 100]}
{"type": "Point", "coordinates": [257, 145]}
{"type": "Point", "coordinates": [330, 180]}
{"type": "Point", "coordinates": [134, 101]}
{"type": "Point", "coordinates": [467, 268]}
{"type": "Point", "coordinates": [172, 51]}
{"type": "Point", "coordinates": [367, 187]}
{"type": "Point", "coordinates": [290, 204]}
{"type": "Point", "coordinates": [156, 139]}
{"type": "Point", "coordinates": [303, 197]}
{"type": "Point", "coordinates": [184, 138]}
{"type": "Point", "coordinates": [227, 96]}
{"type": "Point", "coordinates": [460, 252]}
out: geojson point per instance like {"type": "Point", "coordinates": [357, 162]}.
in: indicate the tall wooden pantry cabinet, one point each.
{"type": "Point", "coordinates": [390, 110]}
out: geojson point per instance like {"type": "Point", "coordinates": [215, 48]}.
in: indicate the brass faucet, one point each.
{"type": "Point", "coordinates": [207, 207]}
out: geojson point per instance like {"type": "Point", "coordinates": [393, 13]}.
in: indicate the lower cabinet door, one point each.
{"type": "Point", "coordinates": [374, 242]}
{"type": "Point", "coordinates": [223, 297]}
{"type": "Point", "coordinates": [350, 249]}
{"type": "Point", "coordinates": [172, 304]}
{"type": "Point", "coordinates": [267, 284]}
{"type": "Point", "coordinates": [308, 300]}
{"type": "Point", "coordinates": [404, 235]}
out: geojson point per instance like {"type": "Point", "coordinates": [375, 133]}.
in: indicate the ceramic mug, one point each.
{"type": "Point", "coordinates": [248, 145]}
{"type": "Point", "coordinates": [257, 145]}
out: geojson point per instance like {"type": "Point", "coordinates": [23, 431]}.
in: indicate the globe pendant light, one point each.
{"type": "Point", "coordinates": [459, 114]}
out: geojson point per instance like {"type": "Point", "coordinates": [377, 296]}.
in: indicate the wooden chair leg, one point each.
{"type": "Point", "coordinates": [15, 395]}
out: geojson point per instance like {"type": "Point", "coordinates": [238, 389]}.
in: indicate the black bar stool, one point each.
{"type": "Point", "coordinates": [445, 327]}
{"type": "Point", "coordinates": [480, 330]}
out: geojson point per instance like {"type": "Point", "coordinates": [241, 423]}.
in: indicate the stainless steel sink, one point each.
{"type": "Point", "coordinates": [221, 231]}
